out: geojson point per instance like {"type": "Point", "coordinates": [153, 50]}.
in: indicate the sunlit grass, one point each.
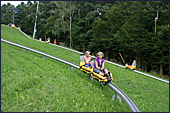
{"type": "Point", "coordinates": [31, 83]}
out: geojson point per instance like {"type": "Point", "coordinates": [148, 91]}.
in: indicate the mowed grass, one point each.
{"type": "Point", "coordinates": [148, 94]}
{"type": "Point", "coordinates": [30, 83]}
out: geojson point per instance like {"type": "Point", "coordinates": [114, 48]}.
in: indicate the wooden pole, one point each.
{"type": "Point", "coordinates": [155, 27]}
{"type": "Point", "coordinates": [122, 58]}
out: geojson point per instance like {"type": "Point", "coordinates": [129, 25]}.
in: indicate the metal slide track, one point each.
{"type": "Point", "coordinates": [127, 100]}
{"type": "Point", "coordinates": [112, 63]}
{"type": "Point", "coordinates": [105, 60]}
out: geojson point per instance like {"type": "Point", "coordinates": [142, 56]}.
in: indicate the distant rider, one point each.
{"type": "Point", "coordinates": [134, 63]}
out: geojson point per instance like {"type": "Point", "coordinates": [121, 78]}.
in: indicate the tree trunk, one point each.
{"type": "Point", "coordinates": [136, 59]}
{"type": "Point", "coordinates": [88, 22]}
{"type": "Point", "coordinates": [146, 67]}
{"type": "Point", "coordinates": [126, 60]}
{"type": "Point", "coordinates": [70, 29]}
{"type": "Point", "coordinates": [161, 69]}
{"type": "Point", "coordinates": [140, 63]}
{"type": "Point", "coordinates": [106, 56]}
{"type": "Point", "coordinates": [64, 35]}
{"type": "Point", "coordinates": [143, 67]}
{"type": "Point", "coordinates": [161, 65]}
{"type": "Point", "coordinates": [113, 55]}
{"type": "Point", "coordinates": [84, 47]}
{"type": "Point", "coordinates": [130, 60]}
{"type": "Point", "coordinates": [45, 37]}
{"type": "Point", "coordinates": [79, 13]}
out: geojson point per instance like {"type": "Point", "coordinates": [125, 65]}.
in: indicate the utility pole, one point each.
{"type": "Point", "coordinates": [13, 14]}
{"type": "Point", "coordinates": [156, 18]}
{"type": "Point", "coordinates": [70, 27]}
{"type": "Point", "coordinates": [98, 11]}
{"type": "Point", "coordinates": [70, 31]}
{"type": "Point", "coordinates": [35, 21]}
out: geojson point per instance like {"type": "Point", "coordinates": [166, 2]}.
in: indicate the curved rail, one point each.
{"type": "Point", "coordinates": [105, 60]}
{"type": "Point", "coordinates": [39, 52]}
{"type": "Point", "coordinates": [127, 100]}
{"type": "Point", "coordinates": [113, 64]}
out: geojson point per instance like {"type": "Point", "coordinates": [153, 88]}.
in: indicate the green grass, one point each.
{"type": "Point", "coordinates": [30, 83]}
{"type": "Point", "coordinates": [156, 75]}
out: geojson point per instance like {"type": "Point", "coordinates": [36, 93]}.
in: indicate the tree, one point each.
{"type": "Point", "coordinates": [6, 14]}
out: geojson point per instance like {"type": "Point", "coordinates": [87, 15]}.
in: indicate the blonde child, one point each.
{"type": "Point", "coordinates": [87, 59]}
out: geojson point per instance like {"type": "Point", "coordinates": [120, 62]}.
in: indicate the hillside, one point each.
{"type": "Point", "coordinates": [33, 84]}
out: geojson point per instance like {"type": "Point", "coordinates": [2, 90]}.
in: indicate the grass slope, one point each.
{"type": "Point", "coordinates": [51, 92]}
{"type": "Point", "coordinates": [31, 83]}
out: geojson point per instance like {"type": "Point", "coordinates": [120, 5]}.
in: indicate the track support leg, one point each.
{"type": "Point", "coordinates": [117, 96]}
{"type": "Point", "coordinates": [44, 57]}
{"type": "Point", "coordinates": [91, 78]}
{"type": "Point", "coordinates": [25, 50]}
{"type": "Point", "coordinates": [70, 68]}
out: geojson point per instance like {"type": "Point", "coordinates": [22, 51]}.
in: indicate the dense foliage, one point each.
{"type": "Point", "coordinates": [109, 27]}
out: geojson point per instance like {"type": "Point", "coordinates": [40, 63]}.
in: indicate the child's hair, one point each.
{"type": "Point", "coordinates": [100, 53]}
{"type": "Point", "coordinates": [87, 52]}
